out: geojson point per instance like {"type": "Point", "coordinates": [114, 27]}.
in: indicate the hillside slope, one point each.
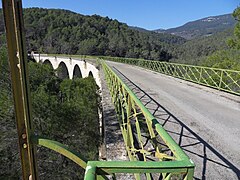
{"type": "Point", "coordinates": [63, 31]}
{"type": "Point", "coordinates": [193, 51]}
{"type": "Point", "coordinates": [202, 27]}
{"type": "Point", "coordinates": [66, 32]}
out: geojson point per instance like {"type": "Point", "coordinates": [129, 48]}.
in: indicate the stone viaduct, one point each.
{"type": "Point", "coordinates": [70, 67]}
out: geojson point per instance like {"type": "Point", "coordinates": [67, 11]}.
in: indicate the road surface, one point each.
{"type": "Point", "coordinates": [203, 121]}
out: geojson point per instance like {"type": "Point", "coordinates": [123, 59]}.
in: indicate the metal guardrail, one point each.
{"type": "Point", "coordinates": [139, 126]}
{"type": "Point", "coordinates": [221, 79]}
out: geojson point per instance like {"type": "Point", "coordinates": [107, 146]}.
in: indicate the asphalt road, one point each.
{"type": "Point", "coordinates": [203, 121]}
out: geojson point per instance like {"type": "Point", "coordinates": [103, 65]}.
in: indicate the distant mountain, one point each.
{"type": "Point", "coordinates": [203, 27]}
{"type": "Point", "coordinates": [138, 29]}
{"type": "Point", "coordinates": [160, 30]}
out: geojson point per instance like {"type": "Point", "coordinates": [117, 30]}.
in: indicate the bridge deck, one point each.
{"type": "Point", "coordinates": [205, 122]}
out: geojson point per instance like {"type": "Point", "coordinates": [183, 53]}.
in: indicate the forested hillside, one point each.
{"type": "Point", "coordinates": [66, 32]}
{"type": "Point", "coordinates": [221, 50]}
{"type": "Point", "coordinates": [195, 50]}
{"type": "Point", "coordinates": [202, 27]}
{"type": "Point", "coordinates": [228, 58]}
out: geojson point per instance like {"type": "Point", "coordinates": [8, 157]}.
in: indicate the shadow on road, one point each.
{"type": "Point", "coordinates": [206, 157]}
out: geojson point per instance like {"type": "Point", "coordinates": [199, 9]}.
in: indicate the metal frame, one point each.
{"type": "Point", "coordinates": [94, 168]}
{"type": "Point", "coordinates": [131, 113]}
{"type": "Point", "coordinates": [221, 79]}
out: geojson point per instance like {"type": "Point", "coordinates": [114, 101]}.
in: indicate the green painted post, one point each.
{"type": "Point", "coordinates": [190, 174]}
{"type": "Point", "coordinates": [90, 173]}
{"type": "Point", "coordinates": [221, 78]}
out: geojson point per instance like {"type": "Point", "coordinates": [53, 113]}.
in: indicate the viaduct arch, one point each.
{"type": "Point", "coordinates": [77, 72]}
{"type": "Point", "coordinates": [62, 71]}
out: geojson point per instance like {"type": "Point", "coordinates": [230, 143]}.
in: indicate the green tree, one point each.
{"type": "Point", "coordinates": [63, 110]}
{"type": "Point", "coordinates": [235, 43]}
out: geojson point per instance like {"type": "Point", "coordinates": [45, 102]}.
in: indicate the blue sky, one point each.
{"type": "Point", "coordinates": [149, 14]}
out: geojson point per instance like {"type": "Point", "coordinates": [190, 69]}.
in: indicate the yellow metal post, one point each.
{"type": "Point", "coordinates": [17, 54]}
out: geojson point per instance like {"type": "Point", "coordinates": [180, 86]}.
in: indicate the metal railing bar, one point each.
{"type": "Point", "coordinates": [60, 148]}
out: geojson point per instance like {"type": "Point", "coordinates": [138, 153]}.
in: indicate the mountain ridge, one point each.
{"type": "Point", "coordinates": [62, 31]}
{"type": "Point", "coordinates": [202, 27]}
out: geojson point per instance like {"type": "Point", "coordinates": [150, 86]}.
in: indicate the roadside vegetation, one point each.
{"type": "Point", "coordinates": [63, 110]}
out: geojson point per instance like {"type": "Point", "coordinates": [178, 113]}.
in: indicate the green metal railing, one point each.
{"type": "Point", "coordinates": [221, 79]}
{"type": "Point", "coordinates": [138, 126]}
